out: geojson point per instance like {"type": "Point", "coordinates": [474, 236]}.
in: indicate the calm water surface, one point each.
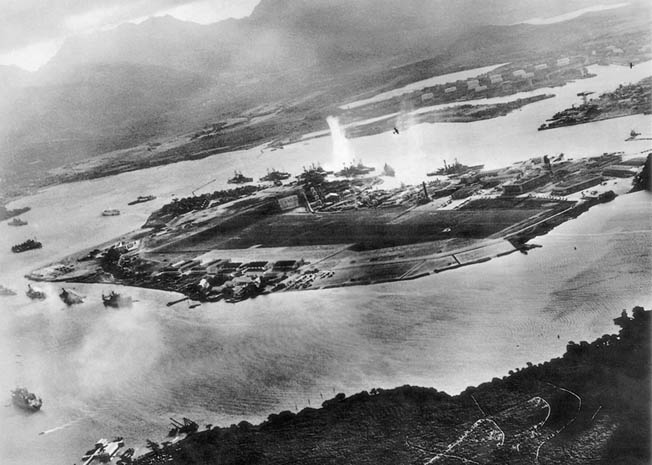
{"type": "Point", "coordinates": [106, 372]}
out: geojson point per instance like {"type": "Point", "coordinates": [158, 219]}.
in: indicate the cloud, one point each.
{"type": "Point", "coordinates": [26, 22]}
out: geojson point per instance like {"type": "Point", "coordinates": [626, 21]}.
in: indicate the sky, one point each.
{"type": "Point", "coordinates": [31, 31]}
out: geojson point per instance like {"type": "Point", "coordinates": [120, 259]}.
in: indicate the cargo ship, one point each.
{"type": "Point", "coordinates": [29, 244]}
{"type": "Point", "coordinates": [17, 222]}
{"type": "Point", "coordinates": [34, 293]}
{"type": "Point", "coordinates": [142, 199]}
{"type": "Point", "coordinates": [111, 212]}
{"type": "Point", "coordinates": [239, 178]}
{"type": "Point", "coordinates": [70, 297]}
{"type": "Point", "coordinates": [26, 400]}
{"type": "Point", "coordinates": [116, 300]}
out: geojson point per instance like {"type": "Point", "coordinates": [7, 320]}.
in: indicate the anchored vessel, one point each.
{"type": "Point", "coordinates": [26, 400]}
{"type": "Point", "coordinates": [34, 293]}
{"type": "Point", "coordinates": [29, 244]}
{"type": "Point", "coordinates": [70, 297]}
{"type": "Point", "coordinates": [355, 170]}
{"type": "Point", "coordinates": [111, 212]}
{"type": "Point", "coordinates": [142, 199]}
{"type": "Point", "coordinates": [17, 222]}
{"type": "Point", "coordinates": [275, 176]}
{"type": "Point", "coordinates": [116, 300]}
{"type": "Point", "coordinates": [239, 178]}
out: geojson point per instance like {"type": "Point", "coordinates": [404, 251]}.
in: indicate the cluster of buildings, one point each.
{"type": "Point", "coordinates": [511, 78]}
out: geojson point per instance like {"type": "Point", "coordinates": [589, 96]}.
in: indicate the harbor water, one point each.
{"type": "Point", "coordinates": [105, 372]}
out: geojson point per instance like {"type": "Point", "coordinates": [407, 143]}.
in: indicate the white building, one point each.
{"type": "Point", "coordinates": [519, 73]}
{"type": "Point", "coordinates": [563, 62]}
{"type": "Point", "coordinates": [427, 96]}
{"type": "Point", "coordinates": [450, 90]}
{"type": "Point", "coordinates": [496, 78]}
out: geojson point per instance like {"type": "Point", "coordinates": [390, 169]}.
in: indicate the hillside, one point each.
{"type": "Point", "coordinates": [590, 406]}
{"type": "Point", "coordinates": [116, 89]}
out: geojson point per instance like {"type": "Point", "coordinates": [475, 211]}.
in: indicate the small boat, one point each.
{"type": "Point", "coordinates": [17, 222]}
{"type": "Point", "coordinates": [5, 291]}
{"type": "Point", "coordinates": [26, 400]}
{"type": "Point", "coordinates": [70, 297]}
{"type": "Point", "coordinates": [29, 244]}
{"type": "Point", "coordinates": [111, 212]}
{"type": "Point", "coordinates": [116, 300]}
{"type": "Point", "coordinates": [34, 293]}
{"type": "Point", "coordinates": [142, 199]}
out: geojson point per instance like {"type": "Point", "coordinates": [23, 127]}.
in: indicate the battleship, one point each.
{"type": "Point", "coordinates": [456, 168]}
{"type": "Point", "coordinates": [29, 244]}
{"type": "Point", "coordinates": [34, 293]}
{"type": "Point", "coordinates": [142, 199]}
{"type": "Point", "coordinates": [17, 222]}
{"type": "Point", "coordinates": [313, 176]}
{"type": "Point", "coordinates": [239, 178]}
{"type": "Point", "coordinates": [111, 212]}
{"type": "Point", "coordinates": [116, 300]}
{"type": "Point", "coordinates": [275, 176]}
{"type": "Point", "coordinates": [26, 400]}
{"type": "Point", "coordinates": [354, 170]}
{"type": "Point", "coordinates": [70, 297]}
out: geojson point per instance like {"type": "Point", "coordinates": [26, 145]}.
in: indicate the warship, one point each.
{"type": "Point", "coordinates": [116, 300]}
{"type": "Point", "coordinates": [142, 199]}
{"type": "Point", "coordinates": [17, 222]}
{"type": "Point", "coordinates": [456, 168]}
{"type": "Point", "coordinates": [275, 176]}
{"type": "Point", "coordinates": [29, 244]}
{"type": "Point", "coordinates": [70, 297]}
{"type": "Point", "coordinates": [34, 293]}
{"type": "Point", "coordinates": [239, 178]}
{"type": "Point", "coordinates": [355, 170]}
{"type": "Point", "coordinates": [26, 400]}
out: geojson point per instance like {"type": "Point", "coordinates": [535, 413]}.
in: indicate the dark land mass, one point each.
{"type": "Point", "coordinates": [592, 405]}
{"type": "Point", "coordinates": [6, 213]}
{"type": "Point", "coordinates": [455, 114]}
{"type": "Point", "coordinates": [631, 99]}
{"type": "Point", "coordinates": [140, 101]}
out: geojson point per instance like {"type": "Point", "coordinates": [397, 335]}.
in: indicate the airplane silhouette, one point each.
{"type": "Point", "coordinates": [395, 131]}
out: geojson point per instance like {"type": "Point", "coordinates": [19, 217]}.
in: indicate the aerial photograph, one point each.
{"type": "Point", "coordinates": [240, 232]}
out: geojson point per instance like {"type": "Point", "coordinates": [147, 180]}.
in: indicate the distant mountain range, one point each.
{"type": "Point", "coordinates": [117, 88]}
